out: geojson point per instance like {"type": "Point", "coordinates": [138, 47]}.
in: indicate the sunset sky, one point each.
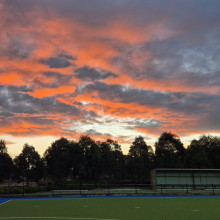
{"type": "Point", "coordinates": [110, 69]}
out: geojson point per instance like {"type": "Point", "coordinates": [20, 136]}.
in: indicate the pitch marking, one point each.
{"type": "Point", "coordinates": [5, 202]}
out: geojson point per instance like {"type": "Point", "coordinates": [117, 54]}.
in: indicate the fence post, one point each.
{"type": "Point", "coordinates": [213, 191]}
{"type": "Point", "coordinates": [108, 189]}
{"type": "Point", "coordinates": [53, 191]}
{"type": "Point", "coordinates": [23, 187]}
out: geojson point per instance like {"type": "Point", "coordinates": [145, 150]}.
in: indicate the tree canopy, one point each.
{"type": "Point", "coordinates": [169, 151]}
{"type": "Point", "coordinates": [29, 164]}
{"type": "Point", "coordinates": [88, 160]}
{"type": "Point", "coordinates": [6, 164]}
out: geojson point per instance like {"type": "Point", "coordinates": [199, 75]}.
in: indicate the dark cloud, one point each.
{"type": "Point", "coordinates": [174, 62]}
{"type": "Point", "coordinates": [211, 120]}
{"type": "Point", "coordinates": [19, 49]}
{"type": "Point", "coordinates": [5, 114]}
{"type": "Point", "coordinates": [93, 132]}
{"type": "Point", "coordinates": [148, 123]}
{"type": "Point", "coordinates": [14, 100]}
{"type": "Point", "coordinates": [179, 102]}
{"type": "Point", "coordinates": [15, 46]}
{"type": "Point", "coordinates": [66, 56]}
{"type": "Point", "coordinates": [183, 51]}
{"type": "Point", "coordinates": [185, 15]}
{"type": "Point", "coordinates": [62, 60]}
{"type": "Point", "coordinates": [85, 72]}
{"type": "Point", "coordinates": [93, 74]}
{"type": "Point", "coordinates": [125, 94]}
{"type": "Point", "coordinates": [56, 62]}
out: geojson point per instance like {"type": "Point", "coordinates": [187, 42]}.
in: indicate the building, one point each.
{"type": "Point", "coordinates": [189, 177]}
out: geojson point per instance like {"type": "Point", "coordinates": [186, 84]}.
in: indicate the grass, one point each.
{"type": "Point", "coordinates": [196, 208]}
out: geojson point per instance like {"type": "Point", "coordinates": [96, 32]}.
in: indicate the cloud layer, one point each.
{"type": "Point", "coordinates": [109, 69]}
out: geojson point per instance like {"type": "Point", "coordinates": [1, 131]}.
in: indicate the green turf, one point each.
{"type": "Point", "coordinates": [114, 208]}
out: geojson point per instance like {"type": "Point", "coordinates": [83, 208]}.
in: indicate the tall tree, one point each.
{"type": "Point", "coordinates": [93, 162]}
{"type": "Point", "coordinates": [140, 160]}
{"type": "Point", "coordinates": [113, 162]}
{"type": "Point", "coordinates": [196, 156]}
{"type": "Point", "coordinates": [6, 164]}
{"type": "Point", "coordinates": [77, 160]}
{"type": "Point", "coordinates": [203, 153]}
{"type": "Point", "coordinates": [29, 164]}
{"type": "Point", "coordinates": [169, 151]}
{"type": "Point", "coordinates": [89, 168]}
{"type": "Point", "coordinates": [58, 159]}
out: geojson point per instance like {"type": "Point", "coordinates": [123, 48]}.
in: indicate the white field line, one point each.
{"type": "Point", "coordinates": [5, 202]}
{"type": "Point", "coordinates": [64, 218]}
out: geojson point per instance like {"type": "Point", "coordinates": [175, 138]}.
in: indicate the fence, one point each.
{"type": "Point", "coordinates": [106, 189]}
{"type": "Point", "coordinates": [189, 188]}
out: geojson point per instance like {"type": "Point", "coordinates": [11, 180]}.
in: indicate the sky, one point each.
{"type": "Point", "coordinates": [108, 69]}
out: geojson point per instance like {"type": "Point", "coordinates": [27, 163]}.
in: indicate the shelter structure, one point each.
{"type": "Point", "coordinates": [190, 177]}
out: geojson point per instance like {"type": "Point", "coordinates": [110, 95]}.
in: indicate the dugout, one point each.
{"type": "Point", "coordinates": [194, 177]}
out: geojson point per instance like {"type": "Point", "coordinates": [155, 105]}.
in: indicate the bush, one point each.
{"type": "Point", "coordinates": [11, 190]}
{"type": "Point", "coordinates": [21, 190]}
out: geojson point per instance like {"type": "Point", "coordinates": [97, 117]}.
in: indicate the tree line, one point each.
{"type": "Point", "coordinates": [87, 160]}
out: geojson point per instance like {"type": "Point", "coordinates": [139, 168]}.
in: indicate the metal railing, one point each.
{"type": "Point", "coordinates": [187, 188]}
{"type": "Point", "coordinates": [107, 190]}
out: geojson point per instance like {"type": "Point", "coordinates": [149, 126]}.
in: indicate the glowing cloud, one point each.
{"type": "Point", "coordinates": [69, 68]}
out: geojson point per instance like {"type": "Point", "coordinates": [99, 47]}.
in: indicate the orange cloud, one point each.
{"type": "Point", "coordinates": [11, 79]}
{"type": "Point", "coordinates": [107, 107]}
{"type": "Point", "coordinates": [23, 128]}
{"type": "Point", "coordinates": [97, 46]}
{"type": "Point", "coordinates": [149, 131]}
{"type": "Point", "coordinates": [88, 44]}
{"type": "Point", "coordinates": [52, 91]}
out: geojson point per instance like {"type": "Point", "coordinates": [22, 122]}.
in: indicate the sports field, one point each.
{"type": "Point", "coordinates": [135, 208]}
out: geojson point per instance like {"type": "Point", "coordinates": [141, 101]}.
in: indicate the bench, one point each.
{"type": "Point", "coordinates": [69, 192]}
{"type": "Point", "coordinates": [122, 190]}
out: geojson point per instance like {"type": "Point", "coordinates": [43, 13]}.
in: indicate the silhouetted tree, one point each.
{"type": "Point", "coordinates": [29, 164]}
{"type": "Point", "coordinates": [169, 151]}
{"type": "Point", "coordinates": [203, 153]}
{"type": "Point", "coordinates": [113, 163]}
{"type": "Point", "coordinates": [3, 148]}
{"type": "Point", "coordinates": [88, 160]}
{"type": "Point", "coordinates": [58, 159]}
{"type": "Point", "coordinates": [77, 160]}
{"type": "Point", "coordinates": [6, 164]}
{"type": "Point", "coordinates": [90, 167]}
{"type": "Point", "coordinates": [140, 160]}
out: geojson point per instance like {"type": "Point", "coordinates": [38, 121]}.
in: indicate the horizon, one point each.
{"type": "Point", "coordinates": [117, 69]}
{"type": "Point", "coordinates": [124, 147]}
